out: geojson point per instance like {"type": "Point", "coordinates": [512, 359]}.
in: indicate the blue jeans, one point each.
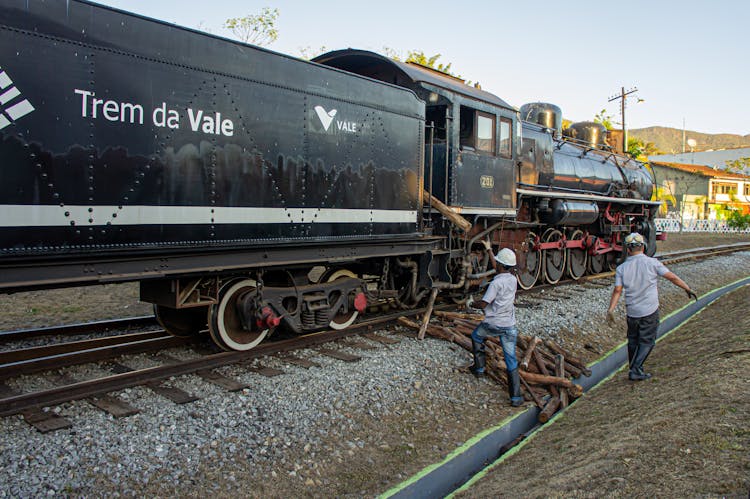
{"type": "Point", "coordinates": [508, 336]}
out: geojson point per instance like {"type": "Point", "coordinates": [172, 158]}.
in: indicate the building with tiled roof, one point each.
{"type": "Point", "coordinates": [696, 191]}
{"type": "Point", "coordinates": [718, 158]}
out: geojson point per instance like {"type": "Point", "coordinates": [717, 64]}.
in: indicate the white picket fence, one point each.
{"type": "Point", "coordinates": [673, 225]}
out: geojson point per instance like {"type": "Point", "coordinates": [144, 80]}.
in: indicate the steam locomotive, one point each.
{"type": "Point", "coordinates": [248, 191]}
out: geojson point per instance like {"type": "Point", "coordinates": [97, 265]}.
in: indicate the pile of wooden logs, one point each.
{"type": "Point", "coordinates": [546, 369]}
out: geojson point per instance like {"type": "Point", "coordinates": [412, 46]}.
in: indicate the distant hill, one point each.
{"type": "Point", "coordinates": [669, 140]}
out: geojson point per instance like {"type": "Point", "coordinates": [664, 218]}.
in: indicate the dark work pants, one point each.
{"type": "Point", "coordinates": [642, 332]}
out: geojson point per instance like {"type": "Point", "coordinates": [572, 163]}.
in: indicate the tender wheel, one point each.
{"type": "Point", "coordinates": [345, 314]}
{"type": "Point", "coordinates": [577, 258]}
{"type": "Point", "coordinates": [529, 263]}
{"type": "Point", "coordinates": [597, 263]}
{"type": "Point", "coordinates": [554, 259]}
{"type": "Point", "coordinates": [181, 321]}
{"type": "Point", "coordinates": [224, 322]}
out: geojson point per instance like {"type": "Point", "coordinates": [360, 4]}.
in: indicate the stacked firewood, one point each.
{"type": "Point", "coordinates": [546, 369]}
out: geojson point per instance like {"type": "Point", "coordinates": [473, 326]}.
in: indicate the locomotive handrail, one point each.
{"type": "Point", "coordinates": [572, 194]}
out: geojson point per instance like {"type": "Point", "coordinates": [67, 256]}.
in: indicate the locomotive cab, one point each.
{"type": "Point", "coordinates": [472, 137]}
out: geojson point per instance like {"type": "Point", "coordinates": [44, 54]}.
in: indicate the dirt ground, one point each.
{"type": "Point", "coordinates": [684, 433]}
{"type": "Point", "coordinates": [688, 240]}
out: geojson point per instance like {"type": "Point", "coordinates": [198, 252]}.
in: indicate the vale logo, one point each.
{"type": "Point", "coordinates": [11, 108]}
{"type": "Point", "coordinates": [328, 117]}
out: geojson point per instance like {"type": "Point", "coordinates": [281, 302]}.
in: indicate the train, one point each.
{"type": "Point", "coordinates": [250, 192]}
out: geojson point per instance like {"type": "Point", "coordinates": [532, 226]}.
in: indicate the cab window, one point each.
{"type": "Point", "coordinates": [477, 130]}
{"type": "Point", "coordinates": [485, 132]}
{"type": "Point", "coordinates": [506, 142]}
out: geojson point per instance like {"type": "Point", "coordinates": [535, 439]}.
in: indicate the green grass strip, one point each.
{"type": "Point", "coordinates": [460, 450]}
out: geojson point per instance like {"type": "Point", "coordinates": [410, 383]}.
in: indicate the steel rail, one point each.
{"type": "Point", "coordinates": [97, 354]}
{"type": "Point", "coordinates": [81, 328]}
{"type": "Point", "coordinates": [24, 354]}
{"type": "Point", "coordinates": [84, 389]}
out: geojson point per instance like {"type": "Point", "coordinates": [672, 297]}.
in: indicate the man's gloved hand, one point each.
{"type": "Point", "coordinates": [610, 317]}
{"type": "Point", "coordinates": [691, 294]}
{"type": "Point", "coordinates": [472, 308]}
{"type": "Point", "coordinates": [487, 245]}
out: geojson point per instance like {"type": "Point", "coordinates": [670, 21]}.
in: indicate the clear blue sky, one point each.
{"type": "Point", "coordinates": [688, 60]}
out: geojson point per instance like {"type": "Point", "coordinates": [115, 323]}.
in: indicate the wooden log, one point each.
{"type": "Point", "coordinates": [453, 336]}
{"type": "Point", "coordinates": [458, 315]}
{"type": "Point", "coordinates": [568, 357]}
{"type": "Point", "coordinates": [533, 394]}
{"type": "Point", "coordinates": [529, 351]}
{"type": "Point", "coordinates": [550, 361]}
{"type": "Point", "coordinates": [447, 212]}
{"type": "Point", "coordinates": [428, 313]}
{"type": "Point", "coordinates": [408, 323]}
{"type": "Point", "coordinates": [541, 379]}
{"type": "Point", "coordinates": [549, 409]}
{"type": "Point", "coordinates": [543, 369]}
{"type": "Point", "coordinates": [466, 323]}
{"type": "Point", "coordinates": [560, 372]}
{"type": "Point", "coordinates": [466, 330]}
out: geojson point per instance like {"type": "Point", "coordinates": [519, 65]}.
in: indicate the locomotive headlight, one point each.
{"type": "Point", "coordinates": [433, 97]}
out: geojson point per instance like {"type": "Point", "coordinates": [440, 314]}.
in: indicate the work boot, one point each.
{"type": "Point", "coordinates": [477, 369]}
{"type": "Point", "coordinates": [638, 376]}
{"type": "Point", "coordinates": [514, 388]}
{"type": "Point", "coordinates": [636, 364]}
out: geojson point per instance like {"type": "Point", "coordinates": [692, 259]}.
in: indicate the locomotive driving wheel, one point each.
{"type": "Point", "coordinates": [597, 263]}
{"type": "Point", "coordinates": [346, 314]}
{"type": "Point", "coordinates": [224, 321]}
{"type": "Point", "coordinates": [529, 263]}
{"type": "Point", "coordinates": [554, 258]}
{"type": "Point", "coordinates": [181, 321]}
{"type": "Point", "coordinates": [577, 258]}
{"type": "Point", "coordinates": [614, 259]}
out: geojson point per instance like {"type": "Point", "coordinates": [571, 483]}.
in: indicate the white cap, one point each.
{"type": "Point", "coordinates": [634, 239]}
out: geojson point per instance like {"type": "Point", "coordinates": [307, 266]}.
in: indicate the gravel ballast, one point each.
{"type": "Point", "coordinates": [343, 429]}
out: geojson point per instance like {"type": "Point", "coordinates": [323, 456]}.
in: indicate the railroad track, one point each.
{"type": "Point", "coordinates": [17, 403]}
{"type": "Point", "coordinates": [46, 358]}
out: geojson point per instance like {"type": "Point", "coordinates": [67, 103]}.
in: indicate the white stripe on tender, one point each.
{"type": "Point", "coordinates": [5, 80]}
{"type": "Point", "coordinates": [19, 110]}
{"type": "Point", "coordinates": [3, 121]}
{"type": "Point", "coordinates": [9, 94]}
{"type": "Point", "coordinates": [51, 215]}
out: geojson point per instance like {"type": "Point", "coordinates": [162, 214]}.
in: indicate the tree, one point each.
{"type": "Point", "coordinates": [605, 119]}
{"type": "Point", "coordinates": [738, 165]}
{"type": "Point", "coordinates": [419, 57]}
{"type": "Point", "coordinates": [664, 195]}
{"type": "Point", "coordinates": [738, 220]}
{"type": "Point", "coordinates": [640, 149]}
{"type": "Point", "coordinates": [256, 29]}
{"type": "Point", "coordinates": [310, 53]}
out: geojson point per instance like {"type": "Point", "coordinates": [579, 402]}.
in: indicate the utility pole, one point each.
{"type": "Point", "coordinates": [622, 96]}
